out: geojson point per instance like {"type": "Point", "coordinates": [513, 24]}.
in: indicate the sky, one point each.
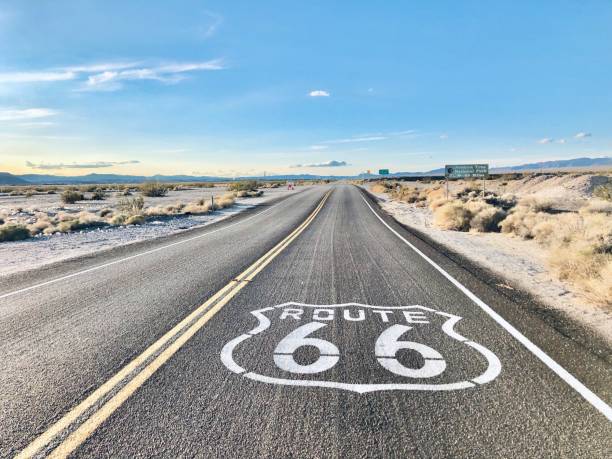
{"type": "Point", "coordinates": [246, 88]}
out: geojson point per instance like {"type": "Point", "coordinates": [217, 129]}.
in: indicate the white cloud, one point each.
{"type": "Point", "coordinates": [106, 75]}
{"type": "Point", "coordinates": [36, 77]}
{"type": "Point", "coordinates": [582, 135]}
{"type": "Point", "coordinates": [26, 114]}
{"type": "Point", "coordinates": [102, 67]}
{"type": "Point", "coordinates": [167, 73]}
{"type": "Point", "coordinates": [331, 163]}
{"type": "Point", "coordinates": [562, 141]}
{"type": "Point", "coordinates": [358, 139]}
{"type": "Point", "coordinates": [319, 147]}
{"type": "Point", "coordinates": [319, 93]}
{"type": "Point", "coordinates": [444, 136]}
{"type": "Point", "coordinates": [546, 140]}
{"type": "Point", "coordinates": [94, 165]}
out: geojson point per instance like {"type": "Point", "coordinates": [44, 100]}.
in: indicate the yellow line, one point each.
{"type": "Point", "coordinates": [220, 298]}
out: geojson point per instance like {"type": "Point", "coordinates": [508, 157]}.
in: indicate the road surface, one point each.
{"type": "Point", "coordinates": [311, 327]}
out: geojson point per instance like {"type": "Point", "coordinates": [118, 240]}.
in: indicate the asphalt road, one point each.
{"type": "Point", "coordinates": [331, 337]}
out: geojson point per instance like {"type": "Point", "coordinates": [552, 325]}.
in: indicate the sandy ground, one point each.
{"type": "Point", "coordinates": [520, 261]}
{"type": "Point", "coordinates": [41, 250]}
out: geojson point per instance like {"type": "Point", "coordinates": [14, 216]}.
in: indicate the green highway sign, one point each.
{"type": "Point", "coordinates": [459, 171]}
{"type": "Point", "coordinates": [383, 171]}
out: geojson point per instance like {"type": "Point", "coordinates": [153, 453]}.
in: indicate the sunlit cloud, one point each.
{"type": "Point", "coordinates": [36, 77]}
{"type": "Point", "coordinates": [26, 114]}
{"type": "Point", "coordinates": [319, 93]}
{"type": "Point", "coordinates": [94, 165]}
{"type": "Point", "coordinates": [546, 140]}
{"type": "Point", "coordinates": [331, 163]}
{"type": "Point", "coordinates": [582, 135]}
{"type": "Point", "coordinates": [105, 76]}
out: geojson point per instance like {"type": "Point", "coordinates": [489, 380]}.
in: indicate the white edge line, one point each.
{"type": "Point", "coordinates": [584, 391]}
{"type": "Point", "coordinates": [121, 260]}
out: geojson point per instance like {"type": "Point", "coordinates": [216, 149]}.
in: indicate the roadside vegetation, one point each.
{"type": "Point", "coordinates": [578, 243]}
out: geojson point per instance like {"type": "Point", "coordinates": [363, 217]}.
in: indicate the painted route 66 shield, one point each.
{"type": "Point", "coordinates": [360, 348]}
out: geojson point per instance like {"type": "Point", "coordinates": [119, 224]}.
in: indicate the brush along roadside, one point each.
{"type": "Point", "coordinates": [19, 224]}
{"type": "Point", "coordinates": [578, 244]}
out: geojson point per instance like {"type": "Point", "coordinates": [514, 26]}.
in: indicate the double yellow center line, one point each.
{"type": "Point", "coordinates": [138, 371]}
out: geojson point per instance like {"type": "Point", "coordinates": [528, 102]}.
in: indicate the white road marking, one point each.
{"type": "Point", "coordinates": [131, 257]}
{"type": "Point", "coordinates": [385, 349]}
{"type": "Point", "coordinates": [585, 392]}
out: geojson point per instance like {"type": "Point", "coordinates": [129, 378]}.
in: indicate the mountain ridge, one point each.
{"type": "Point", "coordinates": [7, 178]}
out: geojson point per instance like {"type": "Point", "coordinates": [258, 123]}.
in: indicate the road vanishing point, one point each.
{"type": "Point", "coordinates": [310, 326]}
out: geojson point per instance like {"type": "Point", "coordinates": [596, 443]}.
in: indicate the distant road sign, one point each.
{"type": "Point", "coordinates": [383, 171]}
{"type": "Point", "coordinates": [459, 171]}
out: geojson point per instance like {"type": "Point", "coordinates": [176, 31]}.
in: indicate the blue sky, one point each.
{"type": "Point", "coordinates": [239, 87]}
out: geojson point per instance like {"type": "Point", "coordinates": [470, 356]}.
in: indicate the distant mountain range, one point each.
{"type": "Point", "coordinates": [39, 179]}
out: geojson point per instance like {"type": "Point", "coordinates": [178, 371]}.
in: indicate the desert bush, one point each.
{"type": "Point", "coordinates": [135, 220]}
{"type": "Point", "coordinates": [98, 195]}
{"type": "Point", "coordinates": [595, 206]}
{"type": "Point", "coordinates": [246, 185]}
{"type": "Point", "coordinates": [381, 187]}
{"type": "Point", "coordinates": [171, 209]}
{"type": "Point", "coordinates": [118, 219]}
{"type": "Point", "coordinates": [87, 188]}
{"type": "Point", "coordinates": [485, 217]}
{"type": "Point", "coordinates": [70, 197]}
{"type": "Point", "coordinates": [11, 232]}
{"type": "Point", "coordinates": [131, 206]}
{"type": "Point", "coordinates": [153, 189]}
{"type": "Point", "coordinates": [106, 212]}
{"type": "Point", "coordinates": [603, 191]}
{"type": "Point", "coordinates": [453, 216]}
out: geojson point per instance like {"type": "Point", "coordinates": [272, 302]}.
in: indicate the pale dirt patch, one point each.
{"type": "Point", "coordinates": [522, 262]}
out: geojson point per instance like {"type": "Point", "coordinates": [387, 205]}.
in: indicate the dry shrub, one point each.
{"type": "Point", "coordinates": [597, 206]}
{"type": "Point", "coordinates": [131, 206]}
{"type": "Point", "coordinates": [135, 220]}
{"type": "Point", "coordinates": [485, 217]}
{"type": "Point", "coordinates": [380, 187]}
{"type": "Point", "coordinates": [453, 216]}
{"type": "Point", "coordinates": [246, 185]}
{"type": "Point", "coordinates": [11, 232]}
{"type": "Point", "coordinates": [118, 219]}
{"type": "Point", "coordinates": [464, 216]}
{"type": "Point", "coordinates": [581, 253]}
{"type": "Point", "coordinates": [70, 197]}
{"type": "Point", "coordinates": [168, 210]}
{"type": "Point", "coordinates": [153, 189]}
{"type": "Point", "coordinates": [227, 200]}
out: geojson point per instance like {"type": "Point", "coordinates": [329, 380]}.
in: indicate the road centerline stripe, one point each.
{"type": "Point", "coordinates": [565, 375]}
{"type": "Point", "coordinates": [177, 337]}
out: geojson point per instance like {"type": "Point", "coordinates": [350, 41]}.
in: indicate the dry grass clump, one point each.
{"type": "Point", "coordinates": [381, 187]}
{"type": "Point", "coordinates": [603, 191]}
{"type": "Point", "coordinates": [247, 185]}
{"type": "Point", "coordinates": [528, 219]}
{"type": "Point", "coordinates": [70, 197]}
{"type": "Point", "coordinates": [153, 189]}
{"type": "Point", "coordinates": [12, 232]}
{"type": "Point", "coordinates": [581, 252]}
{"type": "Point", "coordinates": [248, 194]}
{"type": "Point", "coordinates": [467, 216]}
{"type": "Point", "coordinates": [131, 206]}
